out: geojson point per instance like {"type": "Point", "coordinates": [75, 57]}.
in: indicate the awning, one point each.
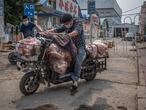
{"type": "Point", "coordinates": [55, 13]}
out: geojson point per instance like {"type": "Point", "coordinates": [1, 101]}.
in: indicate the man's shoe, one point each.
{"type": "Point", "coordinates": [74, 88]}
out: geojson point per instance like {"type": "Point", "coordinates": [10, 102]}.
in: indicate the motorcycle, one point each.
{"type": "Point", "coordinates": [37, 71]}
{"type": "Point", "coordinates": [13, 56]}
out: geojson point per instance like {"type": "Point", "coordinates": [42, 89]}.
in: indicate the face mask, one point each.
{"type": "Point", "coordinates": [68, 26]}
{"type": "Point", "coordinates": [25, 22]}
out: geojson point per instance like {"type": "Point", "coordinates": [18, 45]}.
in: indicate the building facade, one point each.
{"type": "Point", "coordinates": [52, 10]}
{"type": "Point", "coordinates": [106, 9]}
{"type": "Point", "coordinates": [142, 20]}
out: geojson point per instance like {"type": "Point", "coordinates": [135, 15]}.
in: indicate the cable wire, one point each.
{"type": "Point", "coordinates": [131, 14]}
{"type": "Point", "coordinates": [132, 9]}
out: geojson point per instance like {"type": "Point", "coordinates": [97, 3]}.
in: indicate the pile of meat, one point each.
{"type": "Point", "coordinates": [97, 49]}
{"type": "Point", "coordinates": [60, 59]}
{"type": "Point", "coordinates": [28, 48]}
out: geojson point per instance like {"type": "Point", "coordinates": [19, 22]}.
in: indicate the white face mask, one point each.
{"type": "Point", "coordinates": [69, 25]}
{"type": "Point", "coordinates": [25, 22]}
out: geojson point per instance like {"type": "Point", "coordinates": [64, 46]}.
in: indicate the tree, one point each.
{"type": "Point", "coordinates": [13, 10]}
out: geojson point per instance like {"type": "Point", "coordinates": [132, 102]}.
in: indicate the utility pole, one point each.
{"type": "Point", "coordinates": [137, 54]}
{"type": "Point", "coordinates": [125, 28]}
{"type": "Point", "coordinates": [91, 29]}
{"type": "Point", "coordinates": [1, 22]}
{"type": "Point", "coordinates": [91, 10]}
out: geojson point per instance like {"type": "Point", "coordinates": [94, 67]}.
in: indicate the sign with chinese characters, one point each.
{"type": "Point", "coordinates": [29, 9]}
{"type": "Point", "coordinates": [67, 6]}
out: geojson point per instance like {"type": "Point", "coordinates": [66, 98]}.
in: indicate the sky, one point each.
{"type": "Point", "coordinates": [130, 4]}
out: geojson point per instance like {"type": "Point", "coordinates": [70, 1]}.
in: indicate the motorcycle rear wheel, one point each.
{"type": "Point", "coordinates": [91, 77]}
{"type": "Point", "coordinates": [29, 84]}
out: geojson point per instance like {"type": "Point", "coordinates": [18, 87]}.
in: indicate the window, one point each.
{"type": "Point", "coordinates": [108, 12]}
{"type": "Point", "coordinates": [101, 12]}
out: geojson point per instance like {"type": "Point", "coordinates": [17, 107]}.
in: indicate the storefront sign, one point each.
{"type": "Point", "coordinates": [67, 6]}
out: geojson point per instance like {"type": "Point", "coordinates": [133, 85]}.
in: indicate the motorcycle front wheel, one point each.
{"type": "Point", "coordinates": [12, 57]}
{"type": "Point", "coordinates": [29, 83]}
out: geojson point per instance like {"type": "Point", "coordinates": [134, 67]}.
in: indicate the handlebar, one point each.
{"type": "Point", "coordinates": [43, 38]}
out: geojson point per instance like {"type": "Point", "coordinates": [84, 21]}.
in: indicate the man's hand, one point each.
{"type": "Point", "coordinates": [73, 34]}
{"type": "Point", "coordinates": [43, 33]}
{"type": "Point", "coordinates": [50, 31]}
{"type": "Point", "coordinates": [39, 29]}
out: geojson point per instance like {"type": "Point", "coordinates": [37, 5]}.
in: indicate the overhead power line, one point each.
{"type": "Point", "coordinates": [131, 14]}
{"type": "Point", "coordinates": [132, 9]}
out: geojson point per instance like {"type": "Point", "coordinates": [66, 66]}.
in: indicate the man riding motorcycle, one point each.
{"type": "Point", "coordinates": [74, 29]}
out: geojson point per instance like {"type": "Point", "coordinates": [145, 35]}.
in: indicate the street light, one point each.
{"type": "Point", "coordinates": [135, 24]}
{"type": "Point", "coordinates": [137, 54]}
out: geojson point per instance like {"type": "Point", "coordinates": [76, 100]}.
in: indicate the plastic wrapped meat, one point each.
{"type": "Point", "coordinates": [28, 48]}
{"type": "Point", "coordinates": [58, 58]}
{"type": "Point", "coordinates": [92, 50]}
{"type": "Point", "coordinates": [101, 47]}
{"type": "Point", "coordinates": [60, 66]}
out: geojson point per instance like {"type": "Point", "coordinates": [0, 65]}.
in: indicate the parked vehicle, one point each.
{"type": "Point", "coordinates": [129, 36]}
{"type": "Point", "coordinates": [13, 55]}
{"type": "Point", "coordinates": [37, 69]}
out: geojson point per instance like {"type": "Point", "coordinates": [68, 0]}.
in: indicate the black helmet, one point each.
{"type": "Point", "coordinates": [66, 17]}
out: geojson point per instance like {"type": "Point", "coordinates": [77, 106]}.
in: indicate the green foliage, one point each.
{"type": "Point", "coordinates": [13, 10]}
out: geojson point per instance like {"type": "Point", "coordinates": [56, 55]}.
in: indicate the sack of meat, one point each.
{"type": "Point", "coordinates": [97, 49]}
{"type": "Point", "coordinates": [29, 49]}
{"type": "Point", "coordinates": [102, 48]}
{"type": "Point", "coordinates": [61, 53]}
{"type": "Point", "coordinates": [92, 50]}
{"type": "Point", "coordinates": [59, 59]}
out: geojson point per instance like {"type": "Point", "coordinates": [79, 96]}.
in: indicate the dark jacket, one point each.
{"type": "Point", "coordinates": [77, 26]}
